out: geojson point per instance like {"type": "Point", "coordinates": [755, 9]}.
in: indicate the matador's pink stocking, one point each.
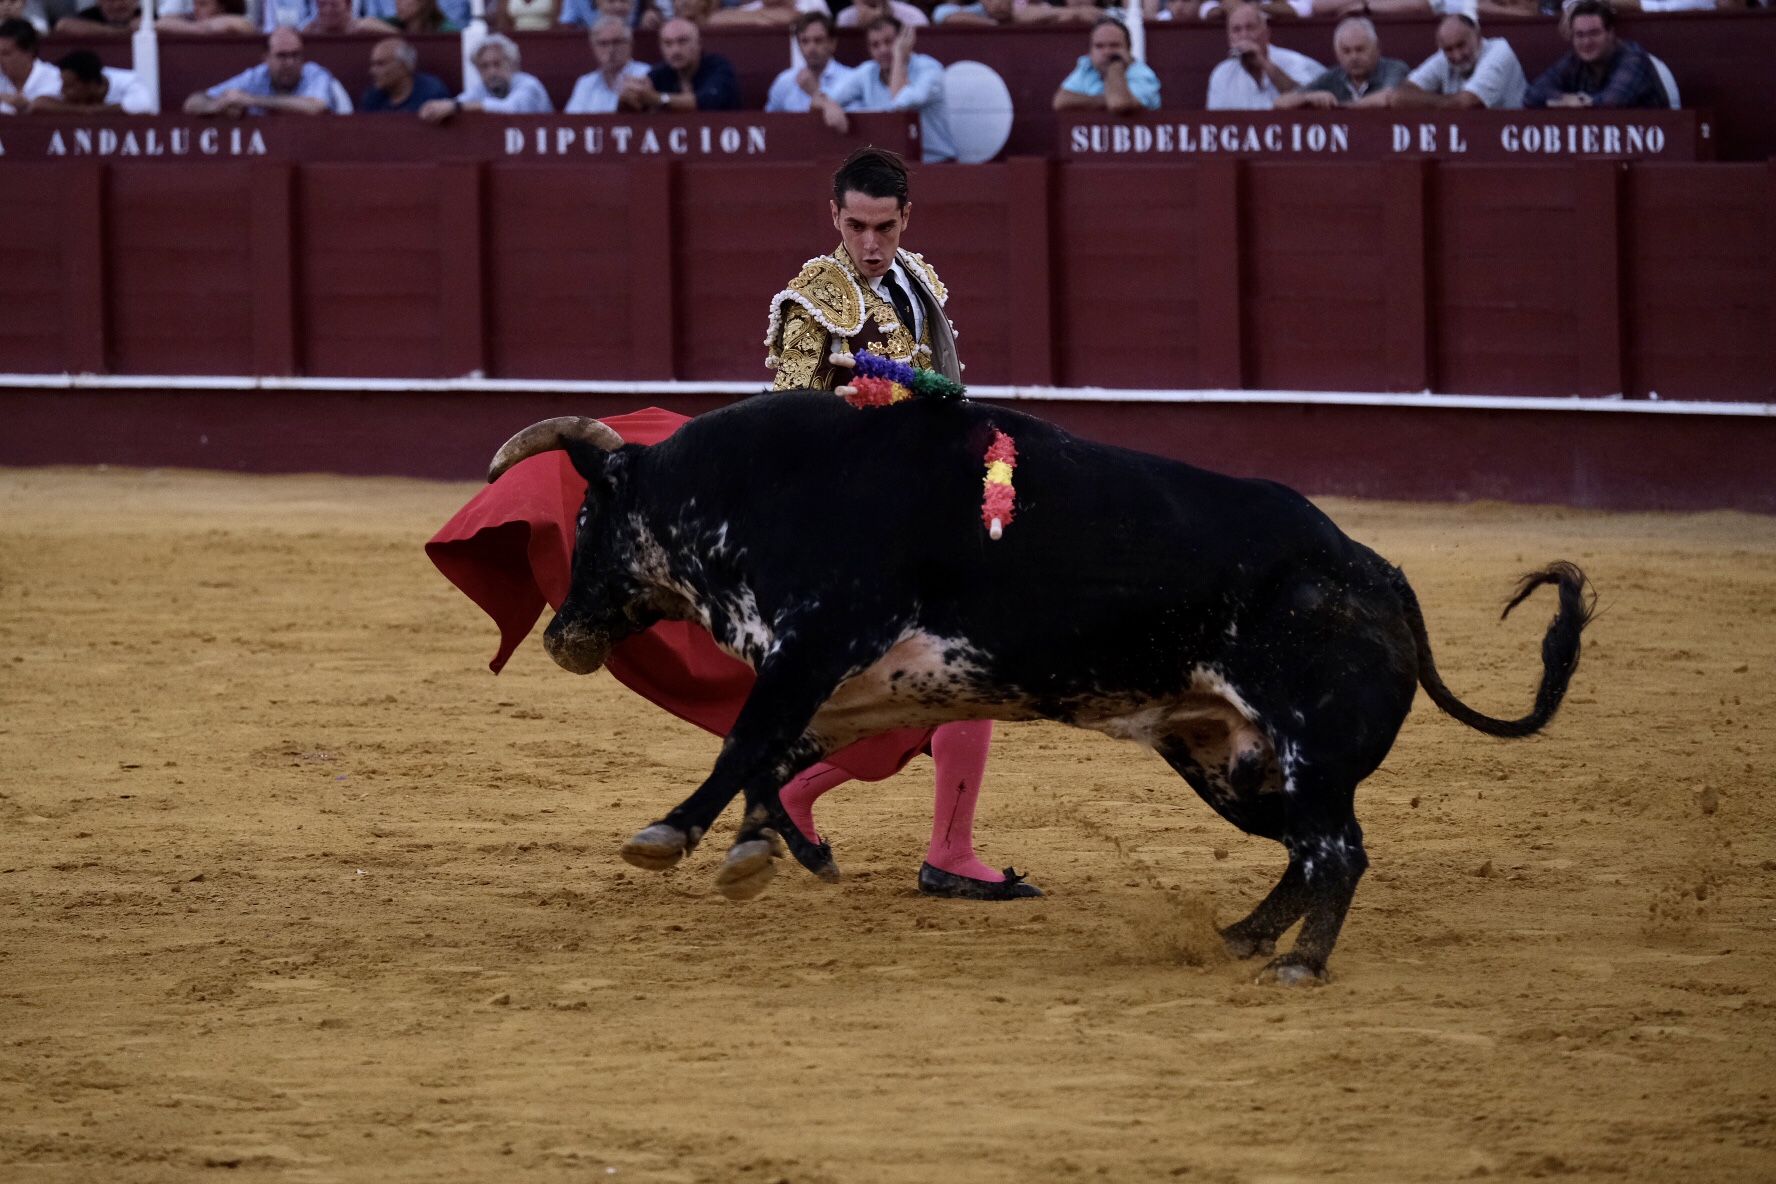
{"type": "Point", "coordinates": [960, 753]}
{"type": "Point", "coordinates": [804, 789]}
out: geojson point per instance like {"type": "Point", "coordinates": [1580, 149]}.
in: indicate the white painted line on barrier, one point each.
{"type": "Point", "coordinates": [1068, 394]}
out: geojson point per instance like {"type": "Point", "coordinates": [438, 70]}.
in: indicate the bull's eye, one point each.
{"type": "Point", "coordinates": [581, 525]}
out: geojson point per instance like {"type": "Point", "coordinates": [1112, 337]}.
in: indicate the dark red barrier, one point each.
{"type": "Point", "coordinates": [1721, 61]}
{"type": "Point", "coordinates": [1591, 279]}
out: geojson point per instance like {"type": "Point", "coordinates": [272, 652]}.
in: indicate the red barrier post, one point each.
{"type": "Point", "coordinates": [83, 268]}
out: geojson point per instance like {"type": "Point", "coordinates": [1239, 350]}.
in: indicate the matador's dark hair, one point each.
{"type": "Point", "coordinates": [873, 172]}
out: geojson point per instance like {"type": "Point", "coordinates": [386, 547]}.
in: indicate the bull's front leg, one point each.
{"type": "Point", "coordinates": [769, 744]}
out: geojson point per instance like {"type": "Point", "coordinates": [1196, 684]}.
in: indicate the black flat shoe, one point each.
{"type": "Point", "coordinates": [937, 882]}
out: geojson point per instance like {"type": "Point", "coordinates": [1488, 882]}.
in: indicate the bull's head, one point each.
{"type": "Point", "coordinates": [606, 601]}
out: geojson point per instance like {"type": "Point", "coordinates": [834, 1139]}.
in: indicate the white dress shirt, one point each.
{"type": "Point", "coordinates": [906, 285]}
{"type": "Point", "coordinates": [1232, 87]}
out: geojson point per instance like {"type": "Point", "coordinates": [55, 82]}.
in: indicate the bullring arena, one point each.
{"type": "Point", "coordinates": [292, 888]}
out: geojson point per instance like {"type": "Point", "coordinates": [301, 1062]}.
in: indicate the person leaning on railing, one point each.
{"type": "Point", "coordinates": [1467, 71]}
{"type": "Point", "coordinates": [600, 91]}
{"type": "Point", "coordinates": [498, 86]}
{"type": "Point", "coordinates": [285, 83]}
{"type": "Point", "coordinates": [1108, 78]}
{"type": "Point", "coordinates": [23, 75]}
{"type": "Point", "coordinates": [210, 16]}
{"type": "Point", "coordinates": [107, 18]}
{"type": "Point", "coordinates": [1600, 69]}
{"type": "Point", "coordinates": [1362, 77]}
{"type": "Point", "coordinates": [92, 88]}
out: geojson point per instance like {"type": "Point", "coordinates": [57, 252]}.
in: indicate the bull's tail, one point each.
{"type": "Point", "coordinates": [1560, 649]}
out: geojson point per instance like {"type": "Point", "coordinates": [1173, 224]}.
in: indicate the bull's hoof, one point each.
{"type": "Point", "coordinates": [1245, 945]}
{"type": "Point", "coordinates": [657, 847]}
{"type": "Point", "coordinates": [748, 869]}
{"type": "Point", "coordinates": [1293, 970]}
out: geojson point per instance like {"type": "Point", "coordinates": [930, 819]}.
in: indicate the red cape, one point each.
{"type": "Point", "coordinates": [510, 550]}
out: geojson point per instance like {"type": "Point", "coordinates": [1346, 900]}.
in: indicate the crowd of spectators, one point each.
{"type": "Point", "coordinates": [1469, 68]}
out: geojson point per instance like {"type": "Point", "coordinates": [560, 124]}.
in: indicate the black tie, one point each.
{"type": "Point", "coordinates": [902, 304]}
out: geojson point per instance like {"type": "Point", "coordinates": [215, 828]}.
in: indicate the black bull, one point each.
{"type": "Point", "coordinates": [1225, 623]}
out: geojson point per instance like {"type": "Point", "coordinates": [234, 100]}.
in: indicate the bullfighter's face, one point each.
{"type": "Point", "coordinates": [871, 228]}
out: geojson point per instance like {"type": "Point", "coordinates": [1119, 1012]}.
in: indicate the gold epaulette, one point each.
{"type": "Point", "coordinates": [927, 273]}
{"type": "Point", "coordinates": [828, 292]}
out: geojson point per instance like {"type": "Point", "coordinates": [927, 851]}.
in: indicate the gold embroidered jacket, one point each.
{"type": "Point", "coordinates": [827, 305]}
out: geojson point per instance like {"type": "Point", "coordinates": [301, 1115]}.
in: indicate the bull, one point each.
{"type": "Point", "coordinates": [1225, 623]}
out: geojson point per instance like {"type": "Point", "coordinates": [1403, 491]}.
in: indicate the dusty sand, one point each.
{"type": "Point", "coordinates": [291, 886]}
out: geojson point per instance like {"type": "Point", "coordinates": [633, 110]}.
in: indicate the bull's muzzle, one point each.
{"type": "Point", "coordinates": [575, 646]}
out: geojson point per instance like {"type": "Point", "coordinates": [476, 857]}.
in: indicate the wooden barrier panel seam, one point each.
{"type": "Point", "coordinates": [85, 323]}
{"type": "Point", "coordinates": [272, 267]}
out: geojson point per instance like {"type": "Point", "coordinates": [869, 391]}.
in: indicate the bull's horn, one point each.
{"type": "Point", "coordinates": [549, 435]}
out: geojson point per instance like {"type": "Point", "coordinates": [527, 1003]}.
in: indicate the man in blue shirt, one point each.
{"type": "Point", "coordinates": [688, 79]}
{"type": "Point", "coordinates": [1600, 70]}
{"type": "Point", "coordinates": [285, 83]}
{"type": "Point", "coordinates": [1108, 78]}
{"type": "Point", "coordinates": [896, 79]}
{"type": "Point", "coordinates": [794, 90]}
{"type": "Point", "coordinates": [395, 82]}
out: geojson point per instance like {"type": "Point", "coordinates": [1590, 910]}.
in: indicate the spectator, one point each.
{"type": "Point", "coordinates": [334, 18]}
{"type": "Point", "coordinates": [210, 16]}
{"type": "Point", "coordinates": [422, 16]}
{"type": "Point", "coordinates": [1256, 73]}
{"type": "Point", "coordinates": [90, 88]}
{"type": "Point", "coordinates": [23, 75]}
{"type": "Point", "coordinates": [29, 11]}
{"type": "Point", "coordinates": [523, 16]}
{"type": "Point", "coordinates": [1600, 70]}
{"type": "Point", "coordinates": [646, 15]}
{"type": "Point", "coordinates": [1108, 78]}
{"type": "Point", "coordinates": [107, 18]}
{"type": "Point", "coordinates": [396, 82]}
{"type": "Point", "coordinates": [599, 92]}
{"type": "Point", "coordinates": [983, 13]}
{"type": "Point", "coordinates": [411, 16]}
{"type": "Point", "coordinates": [497, 87]}
{"type": "Point", "coordinates": [794, 90]}
{"type": "Point", "coordinates": [1361, 77]}
{"type": "Point", "coordinates": [285, 83]}
{"type": "Point", "coordinates": [756, 14]}
{"type": "Point", "coordinates": [895, 79]}
{"type": "Point", "coordinates": [1466, 71]}
{"type": "Point", "coordinates": [862, 12]}
{"type": "Point", "coordinates": [688, 80]}
{"type": "Point", "coordinates": [1061, 12]}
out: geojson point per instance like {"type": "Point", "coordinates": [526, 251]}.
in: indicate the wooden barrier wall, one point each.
{"type": "Point", "coordinates": [1544, 279]}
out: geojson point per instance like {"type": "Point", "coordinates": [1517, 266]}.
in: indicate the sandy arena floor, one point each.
{"type": "Point", "coordinates": [292, 888]}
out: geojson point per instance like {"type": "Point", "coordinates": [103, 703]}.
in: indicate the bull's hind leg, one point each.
{"type": "Point", "coordinates": [1310, 814]}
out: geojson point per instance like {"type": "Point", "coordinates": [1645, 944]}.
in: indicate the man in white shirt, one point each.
{"type": "Point", "coordinates": [1467, 71]}
{"type": "Point", "coordinates": [497, 87]}
{"type": "Point", "coordinates": [597, 93]}
{"type": "Point", "coordinates": [1256, 72]}
{"type": "Point", "coordinates": [23, 75]}
{"type": "Point", "coordinates": [90, 88]}
{"type": "Point", "coordinates": [794, 90]}
{"type": "Point", "coordinates": [895, 79]}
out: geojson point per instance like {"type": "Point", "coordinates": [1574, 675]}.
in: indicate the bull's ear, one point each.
{"type": "Point", "coordinates": [598, 467]}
